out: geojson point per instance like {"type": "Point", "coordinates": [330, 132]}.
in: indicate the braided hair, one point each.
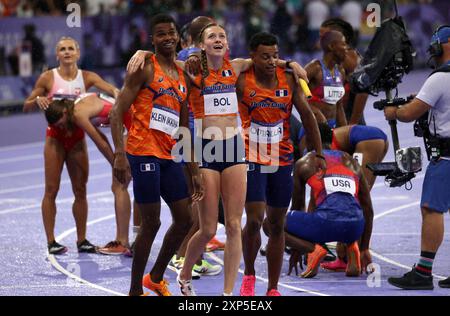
{"type": "Point", "coordinates": [203, 57]}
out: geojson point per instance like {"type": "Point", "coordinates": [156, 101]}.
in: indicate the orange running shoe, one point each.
{"type": "Point", "coordinates": [314, 259]}
{"type": "Point", "coordinates": [161, 288]}
{"type": "Point", "coordinates": [215, 244]}
{"type": "Point", "coordinates": [353, 260]}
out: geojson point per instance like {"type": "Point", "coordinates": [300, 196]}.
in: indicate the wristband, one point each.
{"type": "Point", "coordinates": [288, 62]}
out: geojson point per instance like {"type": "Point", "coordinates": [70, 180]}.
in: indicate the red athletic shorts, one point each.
{"type": "Point", "coordinates": [64, 137]}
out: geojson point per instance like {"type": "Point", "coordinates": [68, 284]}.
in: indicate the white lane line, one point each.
{"type": "Point", "coordinates": [61, 201]}
{"type": "Point", "coordinates": [40, 156]}
{"type": "Point", "coordinates": [220, 261]}
{"type": "Point", "coordinates": [72, 276]}
{"type": "Point", "coordinates": [42, 185]}
{"type": "Point", "coordinates": [385, 259]}
{"type": "Point", "coordinates": [57, 266]}
{"type": "Point", "coordinates": [22, 158]}
{"type": "Point", "coordinates": [41, 170]}
{"type": "Point", "coordinates": [22, 146]}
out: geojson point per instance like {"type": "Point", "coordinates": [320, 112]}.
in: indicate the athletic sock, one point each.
{"type": "Point", "coordinates": [425, 264]}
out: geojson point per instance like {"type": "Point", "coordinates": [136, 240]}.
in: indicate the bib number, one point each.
{"type": "Point", "coordinates": [340, 184]}
{"type": "Point", "coordinates": [164, 120]}
{"type": "Point", "coordinates": [220, 103]}
{"type": "Point", "coordinates": [332, 94]}
{"type": "Point", "coordinates": [266, 134]}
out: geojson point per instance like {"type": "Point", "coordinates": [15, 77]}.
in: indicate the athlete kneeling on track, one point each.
{"type": "Point", "coordinates": [342, 212]}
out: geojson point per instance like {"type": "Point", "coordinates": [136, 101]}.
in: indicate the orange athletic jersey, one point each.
{"type": "Point", "coordinates": [156, 115]}
{"type": "Point", "coordinates": [218, 96]}
{"type": "Point", "coordinates": [337, 178]}
{"type": "Point", "coordinates": [265, 117]}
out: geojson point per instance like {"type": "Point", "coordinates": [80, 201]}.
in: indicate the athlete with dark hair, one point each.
{"type": "Point", "coordinates": [149, 153]}
{"type": "Point", "coordinates": [266, 95]}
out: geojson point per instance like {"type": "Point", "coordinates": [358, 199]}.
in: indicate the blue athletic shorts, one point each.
{"type": "Point", "coordinates": [435, 188]}
{"type": "Point", "coordinates": [338, 218]}
{"type": "Point", "coordinates": [154, 178]}
{"type": "Point", "coordinates": [221, 154]}
{"type": "Point", "coordinates": [270, 186]}
{"type": "Point", "coordinates": [360, 133]}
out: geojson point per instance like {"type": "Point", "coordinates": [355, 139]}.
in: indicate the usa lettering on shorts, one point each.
{"type": "Point", "coordinates": [164, 119]}
{"type": "Point", "coordinates": [339, 184]}
{"type": "Point", "coordinates": [266, 133]}
{"type": "Point", "coordinates": [220, 103]}
{"type": "Point", "coordinates": [333, 94]}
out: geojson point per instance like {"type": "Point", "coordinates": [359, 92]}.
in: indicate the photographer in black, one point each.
{"type": "Point", "coordinates": [434, 98]}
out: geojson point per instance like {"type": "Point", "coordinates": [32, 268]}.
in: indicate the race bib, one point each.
{"type": "Point", "coordinates": [220, 103]}
{"type": "Point", "coordinates": [333, 94]}
{"type": "Point", "coordinates": [339, 184]}
{"type": "Point", "coordinates": [266, 134]}
{"type": "Point", "coordinates": [164, 120]}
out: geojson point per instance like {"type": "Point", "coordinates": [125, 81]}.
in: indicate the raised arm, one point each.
{"type": "Point", "coordinates": [137, 61]}
{"type": "Point", "coordinates": [94, 80]}
{"type": "Point", "coordinates": [241, 65]}
{"type": "Point", "coordinates": [37, 98]}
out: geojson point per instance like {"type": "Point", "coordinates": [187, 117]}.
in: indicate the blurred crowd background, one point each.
{"type": "Point", "coordinates": [112, 30]}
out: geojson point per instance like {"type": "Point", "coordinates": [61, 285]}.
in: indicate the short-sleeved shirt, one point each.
{"type": "Point", "coordinates": [435, 92]}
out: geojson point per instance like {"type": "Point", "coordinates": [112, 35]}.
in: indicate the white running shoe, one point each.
{"type": "Point", "coordinates": [186, 287]}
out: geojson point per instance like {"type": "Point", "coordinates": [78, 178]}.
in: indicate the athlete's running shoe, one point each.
{"type": "Point", "coordinates": [215, 244]}
{"type": "Point", "coordinates": [444, 283]}
{"type": "Point", "coordinates": [263, 251]}
{"type": "Point", "coordinates": [161, 288]}
{"type": "Point", "coordinates": [86, 247]}
{"type": "Point", "coordinates": [55, 248]}
{"type": "Point", "coordinates": [207, 268]}
{"type": "Point", "coordinates": [314, 260]}
{"type": "Point", "coordinates": [330, 255]}
{"type": "Point", "coordinates": [186, 287]}
{"type": "Point", "coordinates": [413, 280]}
{"type": "Point", "coordinates": [113, 248]}
{"type": "Point", "coordinates": [177, 263]}
{"type": "Point", "coordinates": [337, 265]}
{"type": "Point", "coordinates": [248, 286]}
{"type": "Point", "coordinates": [273, 292]}
{"type": "Point", "coordinates": [353, 260]}
{"type": "Point", "coordinates": [130, 251]}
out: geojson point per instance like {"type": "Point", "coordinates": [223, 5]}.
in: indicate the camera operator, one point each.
{"type": "Point", "coordinates": [434, 97]}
